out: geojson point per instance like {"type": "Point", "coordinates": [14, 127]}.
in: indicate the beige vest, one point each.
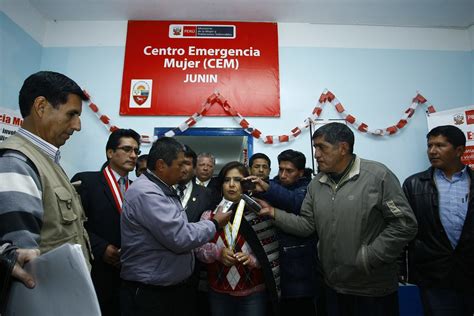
{"type": "Point", "coordinates": [63, 217]}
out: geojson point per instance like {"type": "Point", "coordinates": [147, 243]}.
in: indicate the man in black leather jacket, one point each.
{"type": "Point", "coordinates": [12, 260]}
{"type": "Point", "coordinates": [441, 257]}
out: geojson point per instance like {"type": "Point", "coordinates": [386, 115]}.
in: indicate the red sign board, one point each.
{"type": "Point", "coordinates": [468, 157]}
{"type": "Point", "coordinates": [172, 67]}
{"type": "Point", "coordinates": [470, 117]}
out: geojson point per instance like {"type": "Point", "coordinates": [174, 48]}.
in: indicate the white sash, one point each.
{"type": "Point", "coordinates": [114, 187]}
{"type": "Point", "coordinates": [232, 230]}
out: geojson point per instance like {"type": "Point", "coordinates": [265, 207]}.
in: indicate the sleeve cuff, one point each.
{"type": "Point", "coordinates": [216, 224]}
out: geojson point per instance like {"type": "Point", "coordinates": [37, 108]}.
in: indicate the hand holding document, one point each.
{"type": "Point", "coordinates": [63, 286]}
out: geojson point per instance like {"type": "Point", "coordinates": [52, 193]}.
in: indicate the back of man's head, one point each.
{"type": "Point", "coordinates": [166, 149]}
{"type": "Point", "coordinates": [452, 134]}
{"type": "Point", "coordinates": [335, 133]}
{"type": "Point", "coordinates": [55, 87]}
{"type": "Point", "coordinates": [297, 158]}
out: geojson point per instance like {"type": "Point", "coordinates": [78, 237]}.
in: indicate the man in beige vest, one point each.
{"type": "Point", "coordinates": [40, 209]}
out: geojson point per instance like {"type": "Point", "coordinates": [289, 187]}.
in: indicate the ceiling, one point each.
{"type": "Point", "coordinates": [417, 13]}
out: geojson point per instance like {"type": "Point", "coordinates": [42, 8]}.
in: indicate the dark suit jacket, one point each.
{"type": "Point", "coordinates": [201, 200]}
{"type": "Point", "coordinates": [103, 226]}
{"type": "Point", "coordinates": [214, 188]}
{"type": "Point", "coordinates": [103, 217]}
{"type": "Point", "coordinates": [214, 185]}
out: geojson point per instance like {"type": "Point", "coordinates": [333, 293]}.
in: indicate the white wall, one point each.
{"type": "Point", "coordinates": [374, 71]}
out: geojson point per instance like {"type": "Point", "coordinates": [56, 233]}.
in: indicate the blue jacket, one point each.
{"type": "Point", "coordinates": [299, 264]}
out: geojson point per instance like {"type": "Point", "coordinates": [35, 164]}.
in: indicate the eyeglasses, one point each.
{"type": "Point", "coordinates": [129, 149]}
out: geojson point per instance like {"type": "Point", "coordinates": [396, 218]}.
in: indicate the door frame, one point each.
{"type": "Point", "coordinates": [210, 131]}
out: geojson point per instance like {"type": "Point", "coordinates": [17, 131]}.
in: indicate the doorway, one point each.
{"type": "Point", "coordinates": [226, 144]}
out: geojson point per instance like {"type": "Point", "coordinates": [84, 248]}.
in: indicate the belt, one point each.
{"type": "Point", "coordinates": [140, 285]}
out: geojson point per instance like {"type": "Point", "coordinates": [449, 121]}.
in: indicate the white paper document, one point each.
{"type": "Point", "coordinates": [63, 286]}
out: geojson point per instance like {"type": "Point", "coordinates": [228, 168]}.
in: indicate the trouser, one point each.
{"type": "Point", "coordinates": [107, 283]}
{"type": "Point", "coordinates": [446, 302]}
{"type": "Point", "coordinates": [304, 306]}
{"type": "Point", "coordinates": [354, 305]}
{"type": "Point", "coordinates": [227, 305]}
{"type": "Point", "coordinates": [138, 299]}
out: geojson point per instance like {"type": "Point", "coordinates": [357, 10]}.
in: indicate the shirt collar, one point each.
{"type": "Point", "coordinates": [187, 185]}
{"type": "Point", "coordinates": [50, 150]}
{"type": "Point", "coordinates": [354, 171]}
{"type": "Point", "coordinates": [205, 183]}
{"type": "Point", "coordinates": [460, 175]}
{"type": "Point", "coordinates": [117, 175]}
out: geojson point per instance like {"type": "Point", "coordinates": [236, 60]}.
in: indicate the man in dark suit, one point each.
{"type": "Point", "coordinates": [196, 199]}
{"type": "Point", "coordinates": [204, 169]}
{"type": "Point", "coordinates": [102, 195]}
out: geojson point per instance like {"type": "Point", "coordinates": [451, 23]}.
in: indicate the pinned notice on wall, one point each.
{"type": "Point", "coordinates": [170, 66]}
{"type": "Point", "coordinates": [10, 122]}
{"type": "Point", "coordinates": [463, 118]}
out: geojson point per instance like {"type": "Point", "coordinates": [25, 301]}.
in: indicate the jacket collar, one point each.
{"type": "Point", "coordinates": [355, 171]}
{"type": "Point", "coordinates": [427, 175]}
{"type": "Point", "coordinates": [163, 186]}
{"type": "Point", "coordinates": [303, 181]}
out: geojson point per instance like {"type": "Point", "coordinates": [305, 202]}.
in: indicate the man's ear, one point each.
{"type": "Point", "coordinates": [344, 148]}
{"type": "Point", "coordinates": [300, 173]}
{"type": "Point", "coordinates": [39, 105]}
{"type": "Point", "coordinates": [460, 151]}
{"type": "Point", "coordinates": [109, 153]}
{"type": "Point", "coordinates": [159, 165]}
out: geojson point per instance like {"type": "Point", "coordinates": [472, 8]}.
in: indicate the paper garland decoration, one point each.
{"type": "Point", "coordinates": [327, 97]}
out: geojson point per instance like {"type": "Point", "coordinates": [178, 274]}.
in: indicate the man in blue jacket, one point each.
{"type": "Point", "coordinates": [157, 239]}
{"type": "Point", "coordinates": [298, 256]}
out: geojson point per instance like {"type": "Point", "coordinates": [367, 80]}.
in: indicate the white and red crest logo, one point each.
{"type": "Point", "coordinates": [140, 94]}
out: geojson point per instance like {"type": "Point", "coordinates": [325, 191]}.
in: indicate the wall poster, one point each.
{"type": "Point", "coordinates": [171, 67]}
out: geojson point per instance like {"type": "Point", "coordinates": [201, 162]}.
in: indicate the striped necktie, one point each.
{"type": "Point", "coordinates": [181, 189]}
{"type": "Point", "coordinates": [122, 185]}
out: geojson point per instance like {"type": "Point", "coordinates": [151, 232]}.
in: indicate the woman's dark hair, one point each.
{"type": "Point", "coordinates": [229, 166]}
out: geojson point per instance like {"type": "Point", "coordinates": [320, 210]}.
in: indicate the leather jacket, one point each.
{"type": "Point", "coordinates": [432, 261]}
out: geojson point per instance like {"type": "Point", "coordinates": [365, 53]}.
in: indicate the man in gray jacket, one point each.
{"type": "Point", "coordinates": [363, 221]}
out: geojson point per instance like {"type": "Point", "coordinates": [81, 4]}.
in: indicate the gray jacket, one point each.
{"type": "Point", "coordinates": [363, 224]}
